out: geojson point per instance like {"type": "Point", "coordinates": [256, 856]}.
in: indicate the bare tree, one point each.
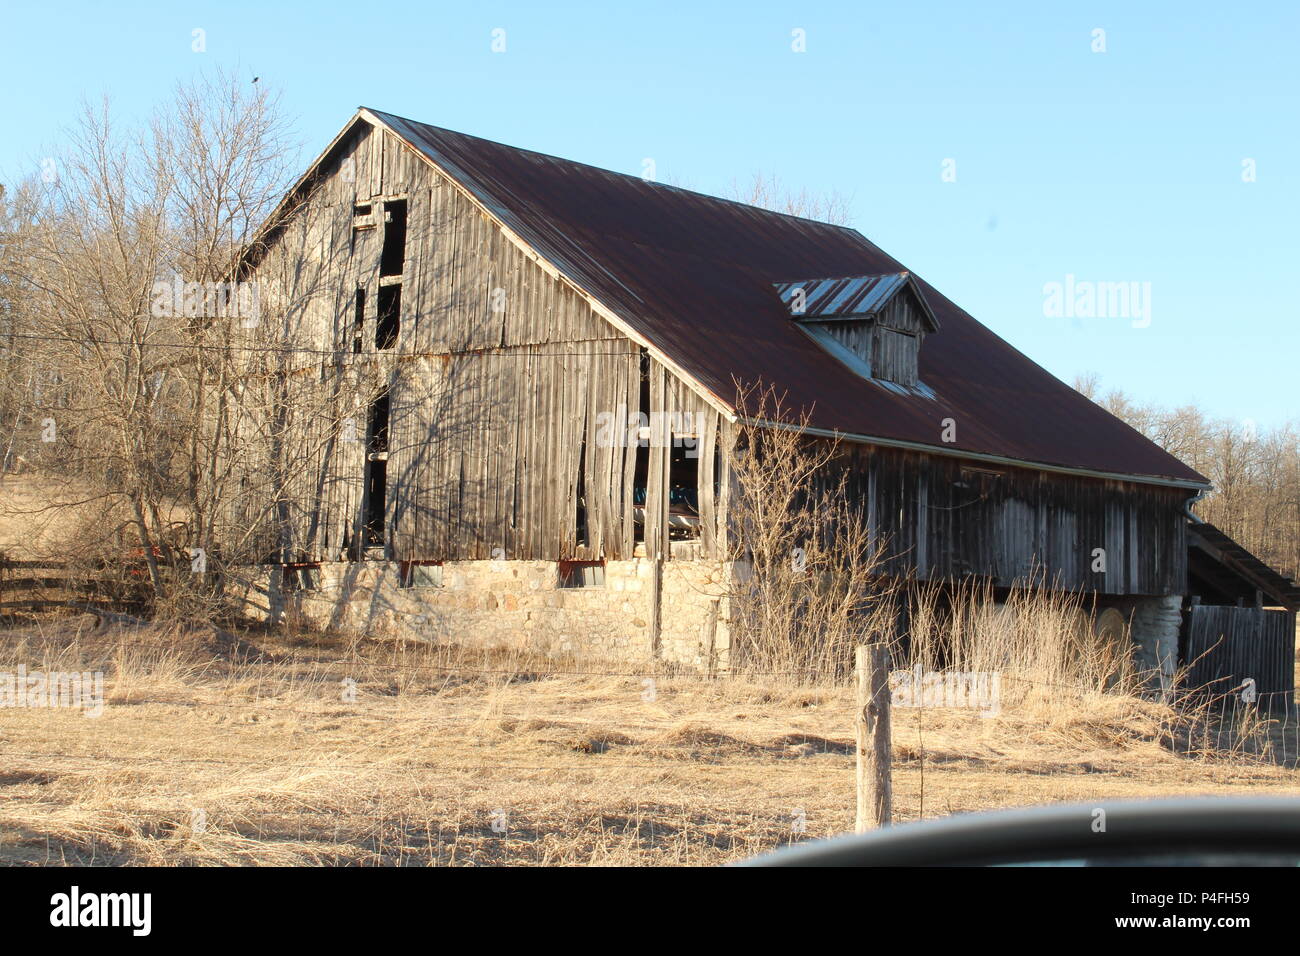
{"type": "Point", "coordinates": [139, 367]}
{"type": "Point", "coordinates": [768, 192]}
{"type": "Point", "coordinates": [809, 565]}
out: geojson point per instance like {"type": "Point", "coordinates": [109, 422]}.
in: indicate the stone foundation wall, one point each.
{"type": "Point", "coordinates": [520, 605]}
{"type": "Point", "coordinates": [1154, 624]}
{"type": "Point", "coordinates": [515, 604]}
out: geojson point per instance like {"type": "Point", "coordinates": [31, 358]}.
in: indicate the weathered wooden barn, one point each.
{"type": "Point", "coordinates": [559, 348]}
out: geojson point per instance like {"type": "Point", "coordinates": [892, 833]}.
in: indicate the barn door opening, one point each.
{"type": "Point", "coordinates": [376, 479]}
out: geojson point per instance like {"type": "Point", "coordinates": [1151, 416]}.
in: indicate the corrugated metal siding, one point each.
{"type": "Point", "coordinates": [854, 295]}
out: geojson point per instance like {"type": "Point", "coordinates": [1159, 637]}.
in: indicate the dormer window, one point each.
{"type": "Point", "coordinates": [875, 324]}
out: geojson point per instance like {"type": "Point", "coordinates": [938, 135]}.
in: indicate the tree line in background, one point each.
{"type": "Point", "coordinates": [1256, 473]}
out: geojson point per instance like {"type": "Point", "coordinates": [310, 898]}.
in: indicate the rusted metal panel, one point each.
{"type": "Point", "coordinates": [694, 275]}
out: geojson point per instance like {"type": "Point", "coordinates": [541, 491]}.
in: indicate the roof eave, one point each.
{"type": "Point", "coordinates": [983, 456]}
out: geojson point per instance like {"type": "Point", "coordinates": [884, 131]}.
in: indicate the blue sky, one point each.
{"type": "Point", "coordinates": [1116, 166]}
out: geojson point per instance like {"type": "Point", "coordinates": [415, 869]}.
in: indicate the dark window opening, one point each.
{"type": "Point", "coordinates": [377, 424]}
{"type": "Point", "coordinates": [641, 468]}
{"type": "Point", "coordinates": [683, 492]}
{"type": "Point", "coordinates": [393, 256]}
{"type": "Point", "coordinates": [683, 469]}
{"type": "Point", "coordinates": [376, 476]}
{"type": "Point", "coordinates": [580, 519]}
{"type": "Point", "coordinates": [300, 577]}
{"type": "Point", "coordinates": [421, 574]}
{"type": "Point", "coordinates": [362, 221]}
{"type": "Point", "coordinates": [388, 321]}
{"type": "Point", "coordinates": [640, 484]}
{"type": "Point", "coordinates": [582, 574]}
{"type": "Point", "coordinates": [359, 320]}
{"type": "Point", "coordinates": [644, 391]}
{"type": "Point", "coordinates": [376, 493]}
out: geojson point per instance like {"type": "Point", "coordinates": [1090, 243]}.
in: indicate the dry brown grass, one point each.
{"type": "Point", "coordinates": [582, 767]}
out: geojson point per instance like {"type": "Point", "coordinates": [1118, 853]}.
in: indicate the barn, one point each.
{"type": "Point", "coordinates": [557, 351]}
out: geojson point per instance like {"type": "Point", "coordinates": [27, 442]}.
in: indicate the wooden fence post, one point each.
{"type": "Point", "coordinates": [875, 788]}
{"type": "Point", "coordinates": [656, 603]}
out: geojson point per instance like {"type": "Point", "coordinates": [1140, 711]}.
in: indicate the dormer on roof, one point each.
{"type": "Point", "coordinates": [875, 324]}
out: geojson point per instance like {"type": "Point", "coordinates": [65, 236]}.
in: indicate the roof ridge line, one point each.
{"type": "Point", "coordinates": [615, 172]}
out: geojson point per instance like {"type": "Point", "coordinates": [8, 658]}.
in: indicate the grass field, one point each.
{"type": "Point", "coordinates": [210, 751]}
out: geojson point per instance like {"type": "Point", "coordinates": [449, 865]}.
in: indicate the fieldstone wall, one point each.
{"type": "Point", "coordinates": [694, 613]}
{"type": "Point", "coordinates": [515, 604]}
{"type": "Point", "coordinates": [520, 605]}
{"type": "Point", "coordinates": [1154, 623]}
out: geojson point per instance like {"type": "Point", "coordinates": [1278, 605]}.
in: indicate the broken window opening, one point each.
{"type": "Point", "coordinates": [683, 492]}
{"type": "Point", "coordinates": [388, 321]}
{"type": "Point", "coordinates": [376, 493]}
{"type": "Point", "coordinates": [363, 220]}
{"type": "Point", "coordinates": [376, 473]}
{"type": "Point", "coordinates": [377, 424]}
{"type": "Point", "coordinates": [641, 467]}
{"type": "Point", "coordinates": [580, 518]}
{"type": "Point", "coordinates": [393, 256]}
{"type": "Point", "coordinates": [421, 574]}
{"type": "Point", "coordinates": [359, 321]}
{"type": "Point", "coordinates": [581, 574]}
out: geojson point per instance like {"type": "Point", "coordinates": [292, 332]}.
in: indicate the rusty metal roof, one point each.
{"type": "Point", "coordinates": [694, 275]}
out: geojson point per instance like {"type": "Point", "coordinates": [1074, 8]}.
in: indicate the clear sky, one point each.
{"type": "Point", "coordinates": [989, 146]}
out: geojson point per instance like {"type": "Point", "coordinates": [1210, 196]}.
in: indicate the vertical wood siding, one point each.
{"type": "Point", "coordinates": [499, 384]}
{"type": "Point", "coordinates": [942, 519]}
{"type": "Point", "coordinates": [1227, 645]}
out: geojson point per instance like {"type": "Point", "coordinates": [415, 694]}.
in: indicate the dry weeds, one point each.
{"type": "Point", "coordinates": [207, 754]}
